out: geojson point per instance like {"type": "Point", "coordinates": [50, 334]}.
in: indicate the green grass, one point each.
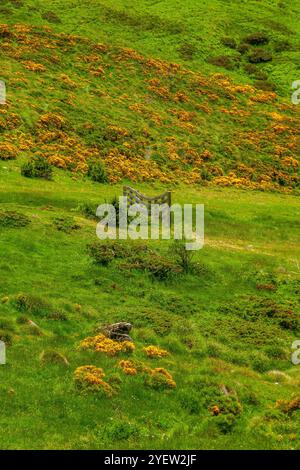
{"type": "Point", "coordinates": [199, 320]}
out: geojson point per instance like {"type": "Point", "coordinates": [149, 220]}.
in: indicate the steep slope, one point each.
{"type": "Point", "coordinates": [72, 100]}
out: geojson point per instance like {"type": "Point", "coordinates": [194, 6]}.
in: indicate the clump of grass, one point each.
{"type": "Point", "coordinates": [53, 357]}
{"type": "Point", "coordinates": [6, 337]}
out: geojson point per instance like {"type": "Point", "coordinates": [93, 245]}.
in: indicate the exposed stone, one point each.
{"type": "Point", "coordinates": [117, 331]}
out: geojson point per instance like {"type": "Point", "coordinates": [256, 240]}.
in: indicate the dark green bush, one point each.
{"type": "Point", "coordinates": [51, 17]}
{"type": "Point", "coordinates": [183, 257]}
{"type": "Point", "coordinates": [37, 167]}
{"type": "Point", "coordinates": [281, 46]}
{"type": "Point", "coordinates": [97, 172]}
{"type": "Point", "coordinates": [257, 39]}
{"type": "Point", "coordinates": [12, 219]}
{"type": "Point", "coordinates": [65, 224]}
{"type": "Point", "coordinates": [264, 85]}
{"type": "Point", "coordinates": [243, 48]}
{"type": "Point", "coordinates": [6, 337]}
{"type": "Point", "coordinates": [259, 56]}
{"type": "Point", "coordinates": [222, 61]}
{"type": "Point", "coordinates": [187, 51]}
{"type": "Point", "coordinates": [88, 210]}
{"type": "Point", "coordinates": [105, 252]}
{"type": "Point", "coordinates": [229, 42]}
{"type": "Point", "coordinates": [157, 266]}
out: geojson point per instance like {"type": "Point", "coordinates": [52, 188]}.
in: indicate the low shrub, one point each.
{"type": "Point", "coordinates": [187, 51]}
{"type": "Point", "coordinates": [37, 167]}
{"type": "Point", "coordinates": [51, 17]}
{"type": "Point", "coordinates": [65, 224]}
{"type": "Point", "coordinates": [159, 378]}
{"type": "Point", "coordinates": [264, 85]}
{"type": "Point", "coordinates": [7, 151]}
{"type": "Point", "coordinates": [222, 61]}
{"type": "Point", "coordinates": [256, 39]}
{"type": "Point", "coordinates": [157, 266]}
{"type": "Point", "coordinates": [13, 219]}
{"type": "Point", "coordinates": [90, 378]}
{"type": "Point", "coordinates": [100, 343]}
{"type": "Point", "coordinates": [183, 257]}
{"type": "Point", "coordinates": [97, 171]}
{"type": "Point", "coordinates": [6, 337]}
{"type": "Point", "coordinates": [229, 42]}
{"type": "Point", "coordinates": [259, 56]}
{"type": "Point", "coordinates": [243, 48]}
{"type": "Point", "coordinates": [155, 352]}
{"type": "Point", "coordinates": [105, 252]}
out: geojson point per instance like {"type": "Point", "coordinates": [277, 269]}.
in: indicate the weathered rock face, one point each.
{"type": "Point", "coordinates": [117, 331]}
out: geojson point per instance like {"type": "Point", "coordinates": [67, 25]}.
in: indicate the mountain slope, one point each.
{"type": "Point", "coordinates": [72, 100]}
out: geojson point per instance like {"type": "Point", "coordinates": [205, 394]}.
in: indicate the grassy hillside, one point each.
{"type": "Point", "coordinates": [227, 326]}
{"type": "Point", "coordinates": [135, 85]}
{"type": "Point", "coordinates": [73, 99]}
{"type": "Point", "coordinates": [191, 32]}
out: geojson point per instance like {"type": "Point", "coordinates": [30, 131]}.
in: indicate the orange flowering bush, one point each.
{"type": "Point", "coordinates": [52, 120]}
{"type": "Point", "coordinates": [154, 351]}
{"type": "Point", "coordinates": [101, 343]}
{"type": "Point", "coordinates": [128, 367]}
{"type": "Point", "coordinates": [91, 378]}
{"type": "Point", "coordinates": [160, 378]}
{"type": "Point", "coordinates": [288, 406]}
{"type": "Point", "coordinates": [7, 151]}
{"type": "Point", "coordinates": [33, 66]}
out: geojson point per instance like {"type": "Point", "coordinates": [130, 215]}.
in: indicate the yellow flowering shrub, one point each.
{"type": "Point", "coordinates": [91, 378]}
{"type": "Point", "coordinates": [160, 378]}
{"type": "Point", "coordinates": [7, 151]}
{"type": "Point", "coordinates": [128, 367]}
{"type": "Point", "coordinates": [33, 66]}
{"type": "Point", "coordinates": [154, 351]}
{"type": "Point", "coordinates": [101, 343]}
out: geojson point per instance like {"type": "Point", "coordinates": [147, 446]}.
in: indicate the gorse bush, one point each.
{"type": "Point", "coordinates": [13, 219]}
{"type": "Point", "coordinates": [104, 253]}
{"type": "Point", "coordinates": [259, 56]}
{"type": "Point", "coordinates": [229, 42]}
{"type": "Point", "coordinates": [97, 171]}
{"type": "Point", "coordinates": [65, 224]}
{"type": "Point", "coordinates": [37, 167]}
{"type": "Point", "coordinates": [183, 256]}
{"type": "Point", "coordinates": [257, 38]}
